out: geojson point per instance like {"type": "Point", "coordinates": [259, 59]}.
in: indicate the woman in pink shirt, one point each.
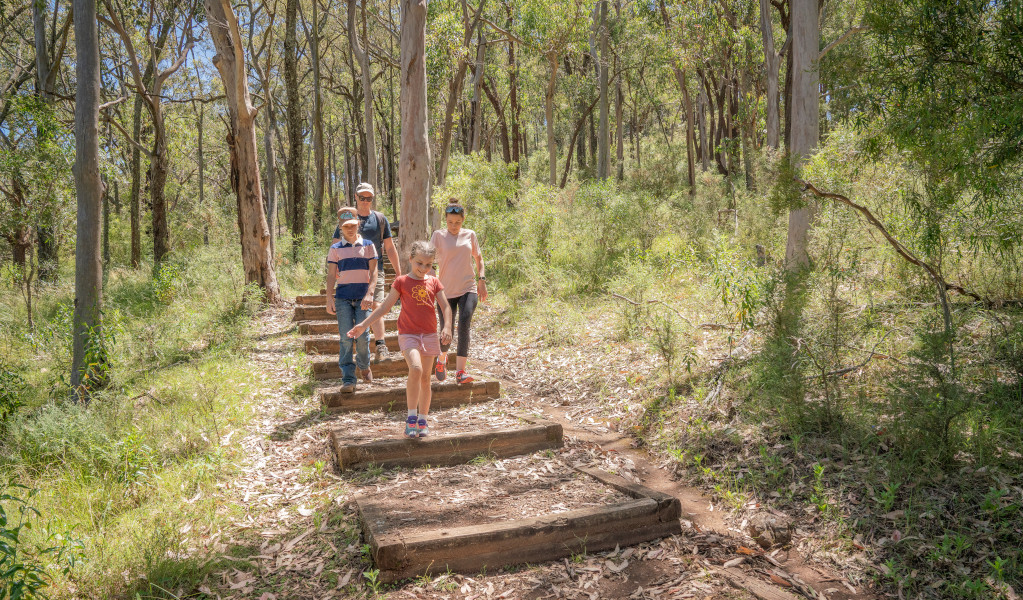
{"type": "Point", "coordinates": [457, 250]}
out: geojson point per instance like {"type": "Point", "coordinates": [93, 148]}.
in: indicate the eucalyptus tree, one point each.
{"type": "Point", "coordinates": [552, 28]}
{"type": "Point", "coordinates": [50, 44]}
{"type": "Point", "coordinates": [414, 165]}
{"type": "Point", "coordinates": [257, 258]}
{"type": "Point", "coordinates": [88, 356]}
{"type": "Point", "coordinates": [681, 55]}
{"type": "Point", "coordinates": [293, 110]}
{"type": "Point", "coordinates": [175, 20]}
{"type": "Point", "coordinates": [805, 126]}
{"type": "Point", "coordinates": [361, 54]}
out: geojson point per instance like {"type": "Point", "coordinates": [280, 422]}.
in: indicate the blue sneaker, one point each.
{"type": "Point", "coordinates": [424, 429]}
{"type": "Point", "coordinates": [411, 427]}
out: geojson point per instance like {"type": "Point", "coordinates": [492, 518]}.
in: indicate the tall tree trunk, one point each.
{"type": "Point", "coordinates": [414, 173]}
{"type": "Point", "coordinates": [318, 154]}
{"type": "Point", "coordinates": [603, 150]}
{"type": "Point", "coordinates": [548, 105]}
{"type": "Point", "coordinates": [620, 129]}
{"type": "Point", "coordinates": [88, 189]}
{"type": "Point", "coordinates": [490, 88]}
{"type": "Point", "coordinates": [362, 57]}
{"type": "Point", "coordinates": [202, 173]}
{"type": "Point", "coordinates": [158, 167]}
{"type": "Point", "coordinates": [513, 93]}
{"type": "Point", "coordinates": [135, 207]}
{"type": "Point", "coordinates": [772, 64]}
{"type": "Point", "coordinates": [254, 233]}
{"type": "Point", "coordinates": [701, 109]}
{"type": "Point", "coordinates": [476, 133]}
{"type": "Point", "coordinates": [805, 120]}
{"type": "Point", "coordinates": [295, 170]}
{"type": "Point", "coordinates": [48, 254]}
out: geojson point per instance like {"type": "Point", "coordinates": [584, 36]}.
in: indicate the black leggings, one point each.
{"type": "Point", "coordinates": [466, 304]}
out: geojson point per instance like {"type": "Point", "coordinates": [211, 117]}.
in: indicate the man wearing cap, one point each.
{"type": "Point", "coordinates": [373, 226]}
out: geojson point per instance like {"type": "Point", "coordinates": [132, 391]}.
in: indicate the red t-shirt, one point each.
{"type": "Point", "coordinates": [418, 299]}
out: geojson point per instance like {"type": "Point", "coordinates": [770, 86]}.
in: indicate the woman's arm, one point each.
{"type": "Point", "coordinates": [481, 273]}
{"type": "Point", "coordinates": [445, 307]}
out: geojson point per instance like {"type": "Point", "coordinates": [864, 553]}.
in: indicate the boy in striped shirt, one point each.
{"type": "Point", "coordinates": [351, 266]}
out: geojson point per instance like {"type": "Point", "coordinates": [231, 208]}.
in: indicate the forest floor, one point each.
{"type": "Point", "coordinates": [294, 532]}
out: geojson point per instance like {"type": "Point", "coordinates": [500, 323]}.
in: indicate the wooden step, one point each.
{"type": "Point", "coordinates": [326, 367]}
{"type": "Point", "coordinates": [446, 450]}
{"type": "Point", "coordinates": [332, 344]}
{"type": "Point", "coordinates": [319, 313]}
{"type": "Point", "coordinates": [648, 516]}
{"type": "Point", "coordinates": [329, 326]}
{"type": "Point", "coordinates": [445, 395]}
{"type": "Point", "coordinates": [316, 299]}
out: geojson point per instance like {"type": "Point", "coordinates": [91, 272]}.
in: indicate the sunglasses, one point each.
{"type": "Point", "coordinates": [454, 210]}
{"type": "Point", "coordinates": [365, 198]}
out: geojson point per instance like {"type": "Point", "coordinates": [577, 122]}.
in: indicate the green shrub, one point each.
{"type": "Point", "coordinates": [11, 387]}
{"type": "Point", "coordinates": [23, 566]}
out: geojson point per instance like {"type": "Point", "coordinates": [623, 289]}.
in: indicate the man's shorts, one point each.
{"type": "Point", "coordinates": [428, 344]}
{"type": "Point", "coordinates": [378, 291]}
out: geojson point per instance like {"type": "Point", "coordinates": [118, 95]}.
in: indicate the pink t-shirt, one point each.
{"type": "Point", "coordinates": [418, 299]}
{"type": "Point", "coordinates": [455, 261]}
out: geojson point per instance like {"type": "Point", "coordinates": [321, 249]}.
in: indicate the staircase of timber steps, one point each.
{"type": "Point", "coordinates": [489, 543]}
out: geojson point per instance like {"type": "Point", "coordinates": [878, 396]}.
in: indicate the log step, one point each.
{"type": "Point", "coordinates": [443, 451]}
{"type": "Point", "coordinates": [329, 326]}
{"type": "Point", "coordinates": [332, 344]}
{"type": "Point", "coordinates": [650, 515]}
{"type": "Point", "coordinates": [445, 395]}
{"type": "Point", "coordinates": [319, 313]}
{"type": "Point", "coordinates": [325, 367]}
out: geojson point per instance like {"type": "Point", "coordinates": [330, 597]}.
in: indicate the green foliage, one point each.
{"type": "Point", "coordinates": [11, 386]}
{"type": "Point", "coordinates": [24, 566]}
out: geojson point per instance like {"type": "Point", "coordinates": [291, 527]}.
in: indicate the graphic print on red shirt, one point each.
{"type": "Point", "coordinates": [418, 298]}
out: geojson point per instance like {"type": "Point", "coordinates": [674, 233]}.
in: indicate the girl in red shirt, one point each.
{"type": "Point", "coordinates": [420, 292]}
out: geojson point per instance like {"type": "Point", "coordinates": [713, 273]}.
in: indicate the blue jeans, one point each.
{"type": "Point", "coordinates": [349, 312]}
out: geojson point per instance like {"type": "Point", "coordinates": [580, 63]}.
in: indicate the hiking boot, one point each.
{"type": "Point", "coordinates": [462, 377]}
{"type": "Point", "coordinates": [348, 388]}
{"type": "Point", "coordinates": [411, 427]}
{"type": "Point", "coordinates": [424, 429]}
{"type": "Point", "coordinates": [367, 375]}
{"type": "Point", "coordinates": [381, 353]}
{"type": "Point", "coordinates": [439, 367]}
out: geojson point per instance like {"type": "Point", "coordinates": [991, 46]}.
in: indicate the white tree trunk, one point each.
{"type": "Point", "coordinates": [362, 57]}
{"type": "Point", "coordinates": [88, 189]}
{"type": "Point", "coordinates": [414, 160]}
{"type": "Point", "coordinates": [772, 63]}
{"type": "Point", "coordinates": [603, 130]}
{"type": "Point", "coordinates": [552, 149]}
{"type": "Point", "coordinates": [254, 232]}
{"type": "Point", "coordinates": [805, 128]}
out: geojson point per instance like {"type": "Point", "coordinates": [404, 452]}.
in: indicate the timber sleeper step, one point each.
{"type": "Point", "coordinates": [445, 450]}
{"type": "Point", "coordinates": [331, 344]}
{"type": "Point", "coordinates": [325, 367]}
{"type": "Point", "coordinates": [329, 326]}
{"type": "Point", "coordinates": [445, 395]}
{"type": "Point", "coordinates": [319, 313]}
{"type": "Point", "coordinates": [647, 516]}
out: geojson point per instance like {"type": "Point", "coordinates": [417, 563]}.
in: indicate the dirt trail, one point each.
{"type": "Point", "coordinates": [297, 537]}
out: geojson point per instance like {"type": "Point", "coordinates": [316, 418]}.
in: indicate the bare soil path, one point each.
{"type": "Point", "coordinates": [295, 533]}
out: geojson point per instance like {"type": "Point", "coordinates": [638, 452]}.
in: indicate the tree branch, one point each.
{"type": "Point", "coordinates": [903, 251]}
{"type": "Point", "coordinates": [842, 38]}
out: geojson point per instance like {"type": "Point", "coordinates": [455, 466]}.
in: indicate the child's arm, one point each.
{"type": "Point", "coordinates": [329, 288]}
{"type": "Point", "coordinates": [367, 301]}
{"type": "Point", "coordinates": [442, 301]}
{"type": "Point", "coordinates": [381, 310]}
